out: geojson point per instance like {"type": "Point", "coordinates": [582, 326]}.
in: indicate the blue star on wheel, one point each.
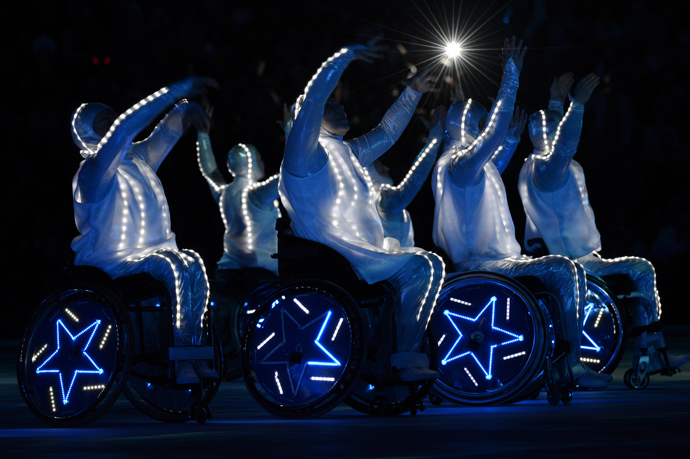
{"type": "Point", "coordinates": [281, 354]}
{"type": "Point", "coordinates": [459, 322]}
{"type": "Point", "coordinates": [70, 356]}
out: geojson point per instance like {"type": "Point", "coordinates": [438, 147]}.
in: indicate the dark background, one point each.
{"type": "Point", "coordinates": [58, 54]}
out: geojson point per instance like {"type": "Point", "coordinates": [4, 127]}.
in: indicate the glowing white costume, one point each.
{"type": "Point", "coordinates": [554, 195]}
{"type": "Point", "coordinates": [335, 205]}
{"type": "Point", "coordinates": [120, 208]}
{"type": "Point", "coordinates": [249, 208]}
{"type": "Point", "coordinates": [392, 201]}
{"type": "Point", "coordinates": [472, 221]}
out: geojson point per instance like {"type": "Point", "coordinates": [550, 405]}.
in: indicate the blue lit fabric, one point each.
{"type": "Point", "coordinates": [472, 220]}
{"type": "Point", "coordinates": [473, 224]}
{"type": "Point", "coordinates": [248, 207]}
{"type": "Point", "coordinates": [335, 205]}
{"type": "Point", "coordinates": [552, 187]}
{"type": "Point", "coordinates": [392, 201]}
{"type": "Point", "coordinates": [554, 195]}
{"type": "Point", "coordinates": [121, 211]}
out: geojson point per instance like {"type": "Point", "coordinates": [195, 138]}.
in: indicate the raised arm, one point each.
{"type": "Point", "coordinates": [207, 160]}
{"type": "Point", "coordinates": [467, 165]}
{"type": "Point", "coordinates": [552, 173]}
{"type": "Point", "coordinates": [170, 129]}
{"type": "Point", "coordinates": [370, 146]}
{"type": "Point", "coordinates": [102, 163]}
{"type": "Point", "coordinates": [511, 140]}
{"type": "Point", "coordinates": [395, 199]}
{"type": "Point", "coordinates": [304, 155]}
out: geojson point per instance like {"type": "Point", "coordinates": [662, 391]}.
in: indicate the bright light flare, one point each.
{"type": "Point", "coordinates": [453, 50]}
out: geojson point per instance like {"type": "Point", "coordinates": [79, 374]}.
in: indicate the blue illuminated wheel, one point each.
{"type": "Point", "coordinates": [303, 349]}
{"type": "Point", "coordinates": [249, 302]}
{"type": "Point", "coordinates": [492, 339]}
{"type": "Point", "coordinates": [603, 336]}
{"type": "Point", "coordinates": [74, 356]}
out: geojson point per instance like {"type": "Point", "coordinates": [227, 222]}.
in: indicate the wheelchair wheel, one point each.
{"type": "Point", "coordinates": [150, 388]}
{"type": "Point", "coordinates": [75, 356]}
{"type": "Point", "coordinates": [249, 302]}
{"type": "Point", "coordinates": [303, 349]}
{"type": "Point", "coordinates": [603, 336]}
{"type": "Point", "coordinates": [492, 339]}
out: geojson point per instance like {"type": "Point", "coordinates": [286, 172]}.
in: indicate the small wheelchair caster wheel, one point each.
{"type": "Point", "coordinates": [566, 395]}
{"type": "Point", "coordinates": [632, 379]}
{"type": "Point", "coordinates": [553, 395]}
{"type": "Point", "coordinates": [414, 403]}
{"type": "Point", "coordinates": [435, 399]}
{"type": "Point", "coordinates": [200, 413]}
{"type": "Point", "coordinates": [380, 405]}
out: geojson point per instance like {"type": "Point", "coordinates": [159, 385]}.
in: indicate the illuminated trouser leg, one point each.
{"type": "Point", "coordinates": [184, 275]}
{"type": "Point", "coordinates": [561, 276]}
{"type": "Point", "coordinates": [417, 286]}
{"type": "Point", "coordinates": [645, 311]}
{"type": "Point", "coordinates": [643, 277]}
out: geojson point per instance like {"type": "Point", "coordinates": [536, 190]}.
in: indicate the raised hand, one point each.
{"type": "Point", "coordinates": [516, 51]}
{"type": "Point", "coordinates": [422, 82]}
{"type": "Point", "coordinates": [561, 86]}
{"type": "Point", "coordinates": [584, 88]}
{"type": "Point", "coordinates": [374, 49]}
{"type": "Point", "coordinates": [518, 121]}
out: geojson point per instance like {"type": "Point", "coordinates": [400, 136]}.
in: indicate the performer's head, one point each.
{"type": "Point", "coordinates": [542, 128]}
{"type": "Point", "coordinates": [334, 118]}
{"type": "Point", "coordinates": [90, 123]}
{"type": "Point", "coordinates": [470, 113]}
{"type": "Point", "coordinates": [244, 161]}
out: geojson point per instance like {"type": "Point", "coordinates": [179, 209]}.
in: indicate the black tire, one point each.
{"type": "Point", "coordinates": [97, 356]}
{"type": "Point", "coordinates": [279, 373]}
{"type": "Point", "coordinates": [469, 334]}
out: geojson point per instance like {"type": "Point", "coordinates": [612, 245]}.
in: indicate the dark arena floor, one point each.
{"type": "Point", "coordinates": [615, 422]}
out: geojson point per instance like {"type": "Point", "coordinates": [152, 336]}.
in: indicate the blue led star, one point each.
{"type": "Point", "coordinates": [292, 329]}
{"type": "Point", "coordinates": [493, 333]}
{"type": "Point", "coordinates": [71, 356]}
{"type": "Point", "coordinates": [594, 347]}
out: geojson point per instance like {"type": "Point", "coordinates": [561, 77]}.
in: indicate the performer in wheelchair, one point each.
{"type": "Point", "coordinates": [121, 211]}
{"type": "Point", "coordinates": [249, 209]}
{"type": "Point", "coordinates": [559, 215]}
{"type": "Point", "coordinates": [472, 221]}
{"type": "Point", "coordinates": [329, 198]}
{"type": "Point", "coordinates": [392, 200]}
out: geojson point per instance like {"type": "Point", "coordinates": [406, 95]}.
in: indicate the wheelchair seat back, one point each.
{"type": "Point", "coordinates": [300, 258]}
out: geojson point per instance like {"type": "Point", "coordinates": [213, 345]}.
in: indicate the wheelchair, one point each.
{"type": "Point", "coordinates": [325, 337]}
{"type": "Point", "coordinates": [97, 337]}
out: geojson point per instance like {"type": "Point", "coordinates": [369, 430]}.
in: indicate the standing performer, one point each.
{"type": "Point", "coordinates": [121, 211]}
{"type": "Point", "coordinates": [329, 199]}
{"type": "Point", "coordinates": [474, 227]}
{"type": "Point", "coordinates": [554, 195]}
